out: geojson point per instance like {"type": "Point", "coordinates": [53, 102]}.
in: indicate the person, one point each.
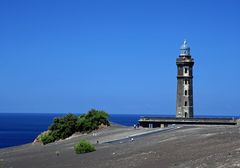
{"type": "Point", "coordinates": [138, 125]}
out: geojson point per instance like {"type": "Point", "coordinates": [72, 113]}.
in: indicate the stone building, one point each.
{"type": "Point", "coordinates": [185, 64]}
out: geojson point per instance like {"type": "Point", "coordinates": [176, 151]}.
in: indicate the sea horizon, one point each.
{"type": "Point", "coordinates": [143, 114]}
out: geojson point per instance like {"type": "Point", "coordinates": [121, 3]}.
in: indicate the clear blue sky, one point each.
{"type": "Point", "coordinates": [119, 56]}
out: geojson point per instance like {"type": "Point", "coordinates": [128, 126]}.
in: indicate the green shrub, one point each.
{"type": "Point", "coordinates": [92, 120]}
{"type": "Point", "coordinates": [84, 147]}
{"type": "Point", "coordinates": [64, 127]}
{"type": "Point", "coordinates": [46, 137]}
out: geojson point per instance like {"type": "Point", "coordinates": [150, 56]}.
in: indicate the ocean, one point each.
{"type": "Point", "coordinates": [21, 128]}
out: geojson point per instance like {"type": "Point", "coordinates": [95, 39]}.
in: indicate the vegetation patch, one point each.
{"type": "Point", "coordinates": [92, 120]}
{"type": "Point", "coordinates": [46, 137]}
{"type": "Point", "coordinates": [84, 147]}
{"type": "Point", "coordinates": [64, 127]}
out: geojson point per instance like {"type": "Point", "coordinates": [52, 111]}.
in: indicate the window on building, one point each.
{"type": "Point", "coordinates": [185, 103]}
{"type": "Point", "coordinates": [186, 81]}
{"type": "Point", "coordinates": [185, 92]}
{"type": "Point", "coordinates": [186, 70]}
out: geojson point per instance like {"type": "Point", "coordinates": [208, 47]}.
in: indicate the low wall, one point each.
{"type": "Point", "coordinates": [163, 122]}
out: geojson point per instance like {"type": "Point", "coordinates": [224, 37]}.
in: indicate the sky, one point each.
{"type": "Point", "coordinates": [59, 56]}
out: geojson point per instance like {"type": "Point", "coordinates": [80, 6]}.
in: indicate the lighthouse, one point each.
{"type": "Point", "coordinates": [184, 105]}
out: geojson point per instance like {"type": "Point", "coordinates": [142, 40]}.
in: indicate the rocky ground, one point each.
{"type": "Point", "coordinates": [178, 147]}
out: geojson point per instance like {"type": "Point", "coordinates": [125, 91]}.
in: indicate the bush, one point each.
{"type": "Point", "coordinates": [46, 137]}
{"type": "Point", "coordinates": [84, 147]}
{"type": "Point", "coordinates": [92, 120]}
{"type": "Point", "coordinates": [64, 127]}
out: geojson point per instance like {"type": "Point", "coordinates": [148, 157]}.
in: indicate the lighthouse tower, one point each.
{"type": "Point", "coordinates": [185, 64]}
